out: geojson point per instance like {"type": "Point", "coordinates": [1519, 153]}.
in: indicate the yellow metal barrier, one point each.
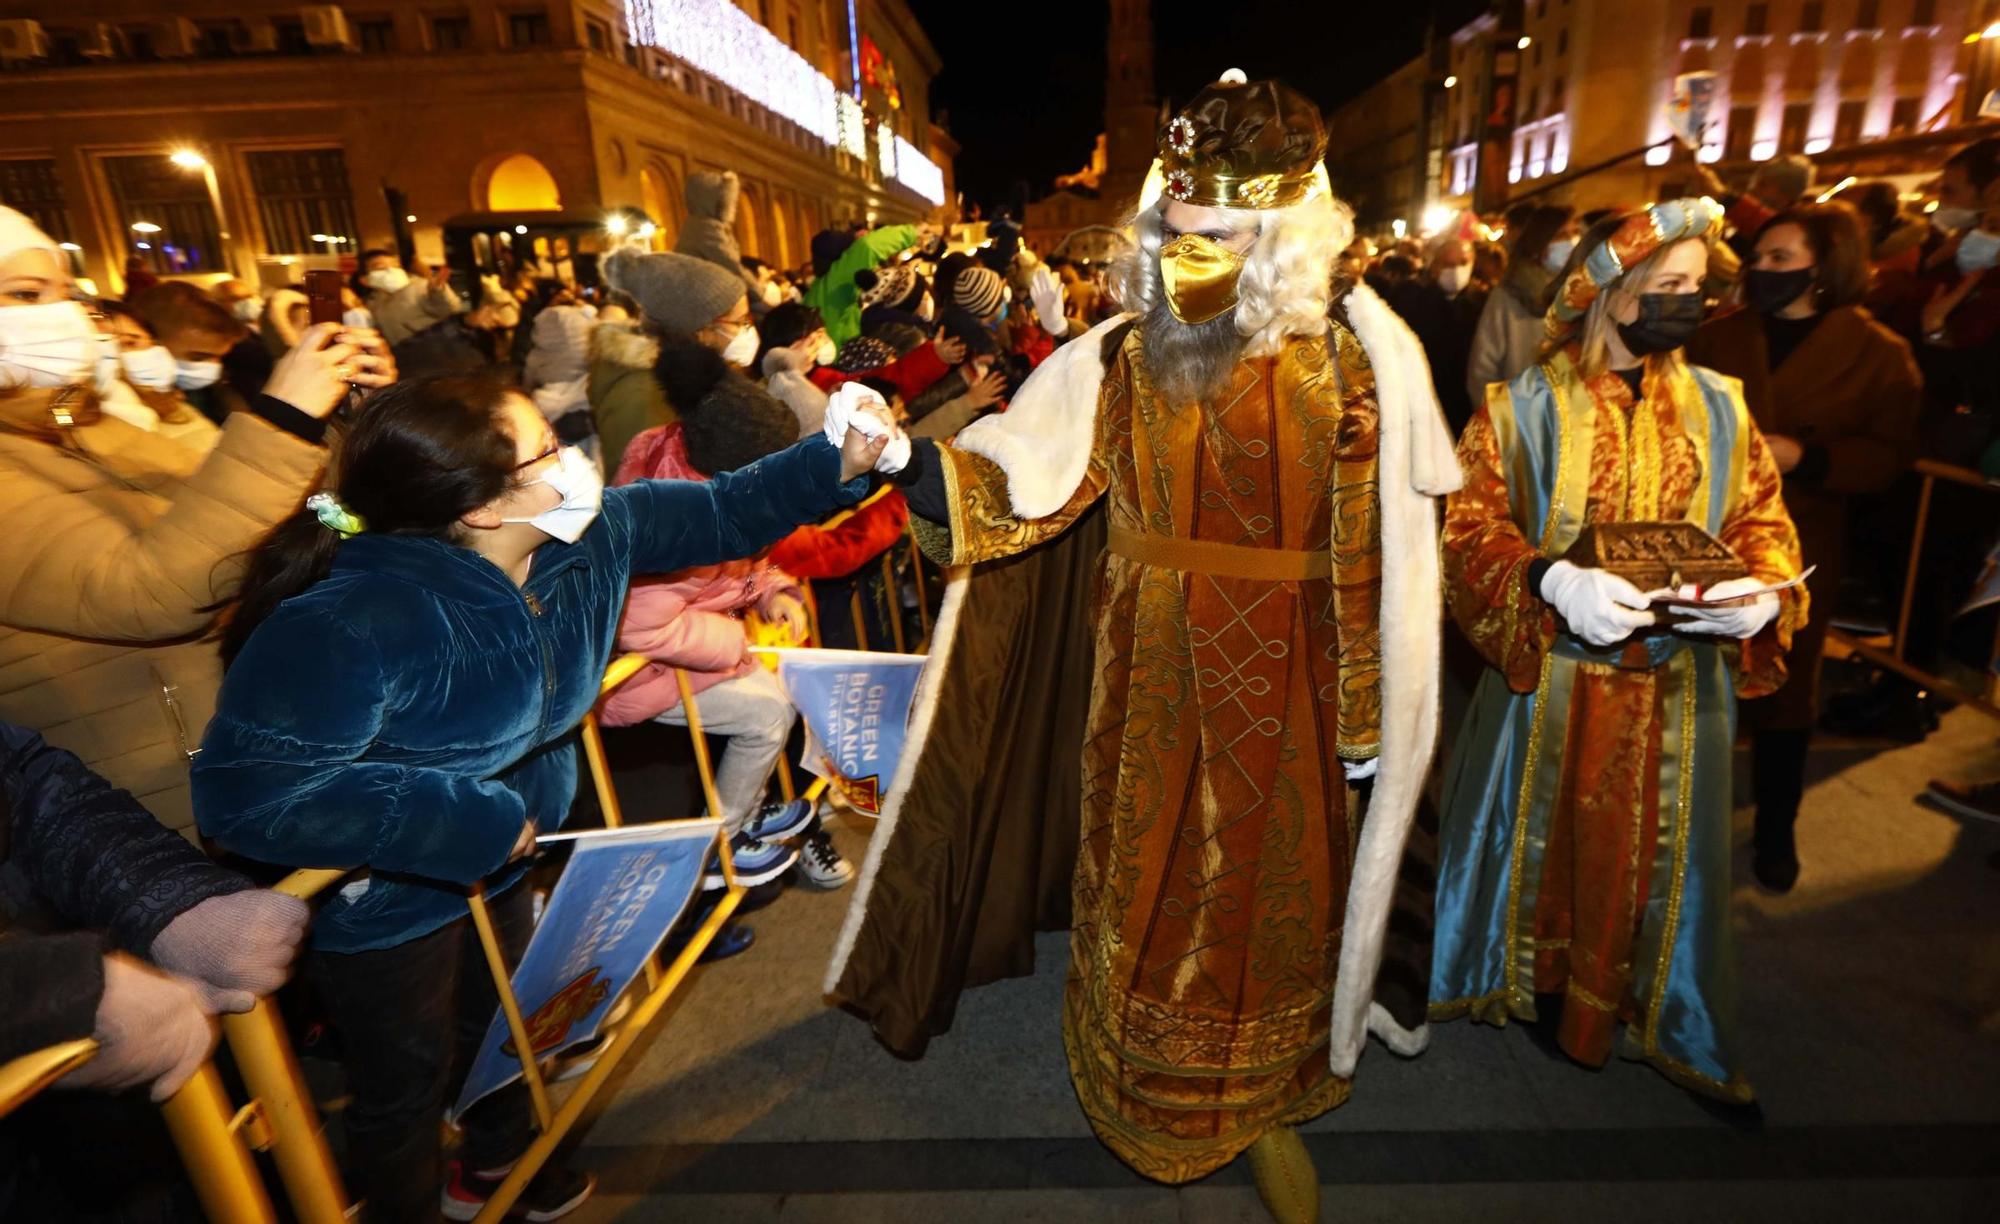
{"type": "Point", "coordinates": [24, 1077]}
{"type": "Point", "coordinates": [215, 1141]}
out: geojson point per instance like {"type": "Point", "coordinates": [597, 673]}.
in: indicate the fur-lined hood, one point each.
{"type": "Point", "coordinates": [627, 345]}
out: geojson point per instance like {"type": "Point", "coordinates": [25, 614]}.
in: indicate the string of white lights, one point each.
{"type": "Point", "coordinates": [728, 44]}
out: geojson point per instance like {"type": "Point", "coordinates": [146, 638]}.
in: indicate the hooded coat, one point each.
{"type": "Point", "coordinates": [624, 399]}
{"type": "Point", "coordinates": [710, 229]}
{"type": "Point", "coordinates": [690, 619]}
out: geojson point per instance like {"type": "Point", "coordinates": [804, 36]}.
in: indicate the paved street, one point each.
{"type": "Point", "coordinates": [1871, 1008]}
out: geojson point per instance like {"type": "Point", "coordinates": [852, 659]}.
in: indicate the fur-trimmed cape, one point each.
{"type": "Point", "coordinates": [1043, 445]}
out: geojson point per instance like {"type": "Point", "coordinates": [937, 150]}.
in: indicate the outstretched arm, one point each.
{"type": "Point", "coordinates": [679, 523]}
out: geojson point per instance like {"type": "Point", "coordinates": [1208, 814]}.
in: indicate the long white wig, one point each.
{"type": "Point", "coordinates": [1287, 278]}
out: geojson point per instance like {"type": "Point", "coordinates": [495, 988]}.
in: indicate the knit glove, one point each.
{"type": "Point", "coordinates": [1048, 294]}
{"type": "Point", "coordinates": [853, 405]}
{"type": "Point", "coordinates": [151, 1029]}
{"type": "Point", "coordinates": [1599, 606]}
{"type": "Point", "coordinates": [235, 947]}
{"type": "Point", "coordinates": [1740, 620]}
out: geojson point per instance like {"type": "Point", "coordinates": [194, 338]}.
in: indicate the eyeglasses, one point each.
{"type": "Point", "coordinates": [555, 448]}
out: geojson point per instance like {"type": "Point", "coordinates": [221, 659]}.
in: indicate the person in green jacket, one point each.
{"type": "Point", "coordinates": [838, 259]}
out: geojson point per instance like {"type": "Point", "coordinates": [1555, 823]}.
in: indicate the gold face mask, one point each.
{"type": "Point", "coordinates": [1200, 277]}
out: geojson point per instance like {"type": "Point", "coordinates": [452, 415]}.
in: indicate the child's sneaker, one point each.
{"type": "Point", "coordinates": [756, 862]}
{"type": "Point", "coordinates": [552, 1194]}
{"type": "Point", "coordinates": [820, 864]}
{"type": "Point", "coordinates": [779, 821]}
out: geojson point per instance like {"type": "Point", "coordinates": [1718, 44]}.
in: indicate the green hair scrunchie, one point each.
{"type": "Point", "coordinates": [335, 517]}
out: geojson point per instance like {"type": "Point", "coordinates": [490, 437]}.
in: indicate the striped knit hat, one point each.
{"type": "Point", "coordinates": [979, 292]}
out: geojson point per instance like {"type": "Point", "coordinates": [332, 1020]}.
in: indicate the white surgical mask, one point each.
{"type": "Point", "coordinates": [772, 293]}
{"type": "Point", "coordinates": [108, 366]}
{"type": "Point", "coordinates": [152, 368]}
{"type": "Point", "coordinates": [1978, 251]}
{"type": "Point", "coordinates": [194, 375]}
{"type": "Point", "coordinates": [826, 352]}
{"type": "Point", "coordinates": [926, 308]}
{"type": "Point", "coordinates": [1558, 253]}
{"type": "Point", "coordinates": [388, 280]}
{"type": "Point", "coordinates": [582, 487]}
{"type": "Point", "coordinates": [52, 344]}
{"type": "Point", "coordinates": [1952, 220]}
{"type": "Point", "coordinates": [248, 309]}
{"type": "Point", "coordinates": [1454, 279]}
{"type": "Point", "coordinates": [356, 318]}
{"type": "Point", "coordinates": [742, 348]}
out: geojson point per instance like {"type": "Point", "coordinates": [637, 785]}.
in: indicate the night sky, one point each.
{"type": "Point", "coordinates": [1023, 80]}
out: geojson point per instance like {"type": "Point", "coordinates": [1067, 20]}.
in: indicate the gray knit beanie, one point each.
{"type": "Point", "coordinates": [679, 294]}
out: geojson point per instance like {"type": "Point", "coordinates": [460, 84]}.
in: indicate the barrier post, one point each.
{"type": "Point", "coordinates": [208, 1136]}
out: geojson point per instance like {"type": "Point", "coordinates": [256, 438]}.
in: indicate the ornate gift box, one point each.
{"type": "Point", "coordinates": [1652, 556]}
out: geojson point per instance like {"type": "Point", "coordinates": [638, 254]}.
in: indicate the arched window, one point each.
{"type": "Point", "coordinates": [656, 197]}
{"type": "Point", "coordinates": [518, 183]}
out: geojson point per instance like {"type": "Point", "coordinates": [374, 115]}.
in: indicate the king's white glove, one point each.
{"type": "Point", "coordinates": [1048, 294]}
{"type": "Point", "coordinates": [1743, 620]}
{"type": "Point", "coordinates": [1600, 607]}
{"type": "Point", "coordinates": [1361, 771]}
{"type": "Point", "coordinates": [853, 405]}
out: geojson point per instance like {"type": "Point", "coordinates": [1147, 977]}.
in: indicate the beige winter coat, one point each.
{"type": "Point", "coordinates": [115, 543]}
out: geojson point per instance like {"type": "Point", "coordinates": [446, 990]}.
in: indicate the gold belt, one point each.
{"type": "Point", "coordinates": [1220, 560]}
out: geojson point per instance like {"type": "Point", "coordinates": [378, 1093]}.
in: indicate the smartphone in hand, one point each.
{"type": "Point", "coordinates": [323, 301]}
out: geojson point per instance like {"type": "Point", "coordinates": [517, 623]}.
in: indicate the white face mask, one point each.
{"type": "Point", "coordinates": [109, 368]}
{"type": "Point", "coordinates": [582, 489]}
{"type": "Point", "coordinates": [248, 309]}
{"type": "Point", "coordinates": [742, 348]}
{"type": "Point", "coordinates": [388, 280]}
{"type": "Point", "coordinates": [826, 352]}
{"type": "Point", "coordinates": [1558, 253]}
{"type": "Point", "coordinates": [1952, 220]}
{"type": "Point", "coordinates": [356, 318]}
{"type": "Point", "coordinates": [52, 344]}
{"type": "Point", "coordinates": [926, 308]}
{"type": "Point", "coordinates": [1454, 279]}
{"type": "Point", "coordinates": [152, 368]}
{"type": "Point", "coordinates": [194, 375]}
{"type": "Point", "coordinates": [772, 293]}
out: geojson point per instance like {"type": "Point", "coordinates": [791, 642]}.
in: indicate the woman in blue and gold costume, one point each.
{"type": "Point", "coordinates": [1585, 834]}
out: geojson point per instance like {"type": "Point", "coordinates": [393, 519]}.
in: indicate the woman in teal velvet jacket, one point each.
{"type": "Point", "coordinates": [411, 659]}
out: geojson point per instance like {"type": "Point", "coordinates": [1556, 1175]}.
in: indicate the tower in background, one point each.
{"type": "Point", "coordinates": [1131, 111]}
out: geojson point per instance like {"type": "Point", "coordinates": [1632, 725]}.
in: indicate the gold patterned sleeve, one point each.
{"type": "Point", "coordinates": [983, 524]}
{"type": "Point", "coordinates": [1357, 579]}
{"type": "Point", "coordinates": [1758, 529]}
{"type": "Point", "coordinates": [1486, 560]}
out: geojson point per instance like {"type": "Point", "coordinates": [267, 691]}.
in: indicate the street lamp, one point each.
{"type": "Point", "coordinates": [1450, 82]}
{"type": "Point", "coordinates": [145, 227]}
{"type": "Point", "coordinates": [189, 159]}
{"type": "Point", "coordinates": [1524, 44]}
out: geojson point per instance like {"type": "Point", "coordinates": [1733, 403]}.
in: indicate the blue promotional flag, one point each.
{"type": "Point", "coordinates": [621, 893]}
{"type": "Point", "coordinates": [856, 706]}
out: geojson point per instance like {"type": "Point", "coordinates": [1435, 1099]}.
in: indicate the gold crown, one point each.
{"type": "Point", "coordinates": [1244, 144]}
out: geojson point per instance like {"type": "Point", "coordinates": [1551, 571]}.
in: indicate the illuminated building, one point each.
{"type": "Point", "coordinates": [371, 123]}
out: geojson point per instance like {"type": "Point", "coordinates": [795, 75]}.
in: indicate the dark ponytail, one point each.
{"type": "Point", "coordinates": [417, 457]}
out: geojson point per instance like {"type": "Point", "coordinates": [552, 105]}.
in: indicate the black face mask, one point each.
{"type": "Point", "coordinates": [1666, 322]}
{"type": "Point", "coordinates": [1769, 292]}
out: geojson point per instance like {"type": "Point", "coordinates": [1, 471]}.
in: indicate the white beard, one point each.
{"type": "Point", "coordinates": [1189, 362]}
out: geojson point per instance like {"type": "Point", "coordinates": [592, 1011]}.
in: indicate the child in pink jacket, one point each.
{"type": "Point", "coordinates": [693, 620]}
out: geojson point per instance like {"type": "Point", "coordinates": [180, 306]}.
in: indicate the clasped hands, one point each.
{"type": "Point", "coordinates": [1603, 609]}
{"type": "Point", "coordinates": [858, 420]}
